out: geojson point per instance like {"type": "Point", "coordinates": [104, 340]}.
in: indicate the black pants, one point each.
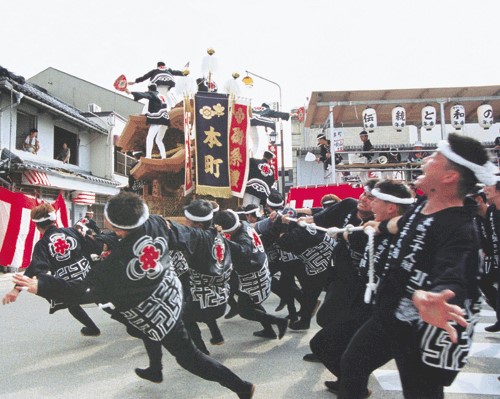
{"type": "Point", "coordinates": [179, 344]}
{"type": "Point", "coordinates": [194, 315]}
{"type": "Point", "coordinates": [234, 283]}
{"type": "Point", "coordinates": [285, 287]}
{"type": "Point", "coordinates": [312, 285]}
{"type": "Point", "coordinates": [487, 285]}
{"type": "Point", "coordinates": [330, 343]}
{"type": "Point", "coordinates": [78, 313]}
{"type": "Point", "coordinates": [255, 312]}
{"type": "Point", "coordinates": [372, 347]}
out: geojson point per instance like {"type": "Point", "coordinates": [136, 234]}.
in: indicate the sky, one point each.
{"type": "Point", "coordinates": [302, 46]}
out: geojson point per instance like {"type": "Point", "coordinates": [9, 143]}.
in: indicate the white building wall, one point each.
{"type": "Point", "coordinates": [6, 128]}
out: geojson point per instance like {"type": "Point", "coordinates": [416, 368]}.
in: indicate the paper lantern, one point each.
{"type": "Point", "coordinates": [457, 116]}
{"type": "Point", "coordinates": [398, 118]}
{"type": "Point", "coordinates": [485, 116]}
{"type": "Point", "coordinates": [369, 119]}
{"type": "Point", "coordinates": [428, 117]}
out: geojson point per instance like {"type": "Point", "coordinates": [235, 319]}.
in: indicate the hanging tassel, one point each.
{"type": "Point", "coordinates": [233, 86]}
{"type": "Point", "coordinates": [209, 63]}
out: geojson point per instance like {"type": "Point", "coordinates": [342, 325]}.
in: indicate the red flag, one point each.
{"type": "Point", "coordinates": [238, 152]}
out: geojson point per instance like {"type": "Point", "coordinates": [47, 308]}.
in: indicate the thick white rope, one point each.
{"type": "Point", "coordinates": [371, 286]}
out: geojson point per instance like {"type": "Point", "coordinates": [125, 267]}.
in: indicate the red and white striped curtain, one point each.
{"type": "Point", "coordinates": [18, 233]}
{"type": "Point", "coordinates": [83, 197]}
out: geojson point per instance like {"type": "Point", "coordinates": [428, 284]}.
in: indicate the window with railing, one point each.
{"type": "Point", "coordinates": [123, 163]}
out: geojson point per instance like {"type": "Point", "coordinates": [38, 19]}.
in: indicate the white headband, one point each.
{"type": "Point", "coordinates": [274, 204]}
{"type": "Point", "coordinates": [328, 202]}
{"type": "Point", "coordinates": [140, 222]}
{"type": "Point", "coordinates": [391, 198]}
{"type": "Point", "coordinates": [255, 211]}
{"type": "Point", "coordinates": [236, 224]}
{"type": "Point", "coordinates": [194, 218]}
{"type": "Point", "coordinates": [484, 173]}
{"type": "Point", "coordinates": [51, 216]}
{"type": "Point", "coordinates": [216, 209]}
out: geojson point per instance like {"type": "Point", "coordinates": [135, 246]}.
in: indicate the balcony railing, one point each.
{"type": "Point", "coordinates": [123, 163]}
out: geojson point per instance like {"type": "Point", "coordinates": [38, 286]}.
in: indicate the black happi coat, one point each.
{"type": "Point", "coordinates": [161, 76]}
{"type": "Point", "coordinates": [136, 278]}
{"type": "Point", "coordinates": [344, 285]}
{"type": "Point", "coordinates": [260, 178]}
{"type": "Point", "coordinates": [367, 148]}
{"type": "Point", "coordinates": [489, 229]}
{"type": "Point", "coordinates": [203, 85]}
{"type": "Point", "coordinates": [250, 263]}
{"type": "Point", "coordinates": [323, 150]}
{"type": "Point", "coordinates": [312, 247]}
{"type": "Point", "coordinates": [63, 252]}
{"type": "Point", "coordinates": [157, 108]}
{"type": "Point", "coordinates": [335, 215]}
{"type": "Point", "coordinates": [432, 252]}
{"type": "Point", "coordinates": [359, 309]}
{"type": "Point", "coordinates": [210, 264]}
{"type": "Point", "coordinates": [269, 232]}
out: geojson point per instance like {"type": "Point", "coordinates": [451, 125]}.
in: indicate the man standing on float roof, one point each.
{"type": "Point", "coordinates": [162, 76]}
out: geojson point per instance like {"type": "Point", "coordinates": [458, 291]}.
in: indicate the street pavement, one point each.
{"type": "Point", "coordinates": [44, 356]}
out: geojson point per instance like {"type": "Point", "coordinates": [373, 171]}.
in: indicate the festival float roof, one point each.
{"type": "Point", "coordinates": [349, 105]}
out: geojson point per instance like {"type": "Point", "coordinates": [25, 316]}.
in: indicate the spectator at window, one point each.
{"type": "Point", "coordinates": [31, 143]}
{"type": "Point", "coordinates": [64, 154]}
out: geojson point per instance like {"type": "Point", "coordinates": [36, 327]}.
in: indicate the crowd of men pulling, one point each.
{"type": "Point", "coordinates": [403, 275]}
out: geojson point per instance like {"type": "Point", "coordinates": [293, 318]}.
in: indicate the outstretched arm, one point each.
{"type": "Point", "coordinates": [10, 296]}
{"type": "Point", "coordinates": [31, 284]}
{"type": "Point", "coordinates": [434, 309]}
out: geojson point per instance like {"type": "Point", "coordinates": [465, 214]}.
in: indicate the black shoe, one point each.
{"type": "Point", "coordinates": [293, 317]}
{"type": "Point", "coordinates": [248, 393]}
{"type": "Point", "coordinates": [282, 326]}
{"type": "Point", "coordinates": [233, 311]}
{"type": "Point", "coordinates": [311, 357]}
{"type": "Point", "coordinates": [281, 306]}
{"type": "Point", "coordinates": [90, 332]}
{"type": "Point", "coordinates": [333, 386]}
{"type": "Point", "coordinates": [300, 325]}
{"type": "Point", "coordinates": [265, 334]}
{"type": "Point", "coordinates": [150, 374]}
{"type": "Point", "coordinates": [493, 328]}
{"type": "Point", "coordinates": [217, 341]}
